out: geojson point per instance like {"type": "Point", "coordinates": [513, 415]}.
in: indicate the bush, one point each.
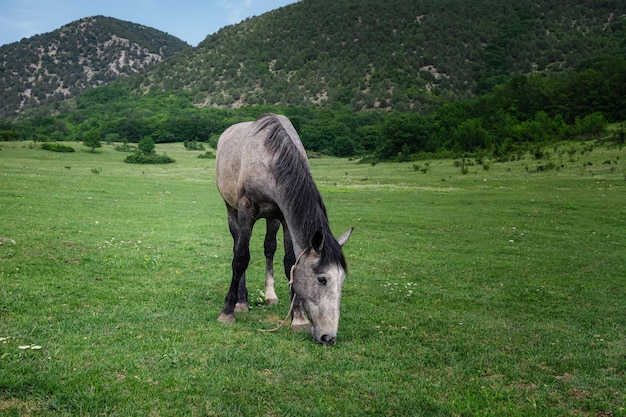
{"type": "Point", "coordinates": [591, 125]}
{"type": "Point", "coordinates": [193, 145]}
{"type": "Point", "coordinates": [213, 141]}
{"type": "Point", "coordinates": [207, 155]}
{"type": "Point", "coordinates": [125, 148]}
{"type": "Point", "coordinates": [142, 158]}
{"type": "Point", "coordinates": [146, 146]}
{"type": "Point", "coordinates": [368, 160]}
{"type": "Point", "coordinates": [145, 154]}
{"type": "Point", "coordinates": [56, 147]}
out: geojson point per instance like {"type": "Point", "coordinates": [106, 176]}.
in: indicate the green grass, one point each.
{"type": "Point", "coordinates": [499, 292]}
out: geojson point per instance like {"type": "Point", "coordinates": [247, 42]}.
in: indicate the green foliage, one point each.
{"type": "Point", "coordinates": [207, 155]}
{"type": "Point", "coordinates": [521, 77]}
{"type": "Point", "coordinates": [125, 147]}
{"type": "Point", "coordinates": [193, 145]}
{"type": "Point", "coordinates": [9, 135]}
{"type": "Point", "coordinates": [146, 146]}
{"type": "Point", "coordinates": [511, 117]}
{"type": "Point", "coordinates": [142, 158]}
{"type": "Point", "coordinates": [91, 139]}
{"type": "Point", "coordinates": [396, 55]}
{"type": "Point", "coordinates": [146, 154]}
{"type": "Point", "coordinates": [591, 125]}
{"type": "Point", "coordinates": [56, 147]}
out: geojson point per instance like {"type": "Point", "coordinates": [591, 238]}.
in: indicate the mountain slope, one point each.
{"type": "Point", "coordinates": [82, 54]}
{"type": "Point", "coordinates": [397, 54]}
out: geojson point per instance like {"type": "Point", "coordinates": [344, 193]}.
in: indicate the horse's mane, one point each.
{"type": "Point", "coordinates": [293, 178]}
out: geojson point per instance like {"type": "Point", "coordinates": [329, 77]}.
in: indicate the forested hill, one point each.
{"type": "Point", "coordinates": [449, 77]}
{"type": "Point", "coordinates": [82, 54]}
{"type": "Point", "coordinates": [404, 55]}
{"type": "Point", "coordinates": [393, 54]}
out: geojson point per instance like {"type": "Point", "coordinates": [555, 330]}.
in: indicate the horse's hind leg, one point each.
{"type": "Point", "coordinates": [240, 223]}
{"type": "Point", "coordinates": [270, 249]}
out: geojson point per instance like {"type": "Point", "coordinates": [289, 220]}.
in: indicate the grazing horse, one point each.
{"type": "Point", "coordinates": [263, 172]}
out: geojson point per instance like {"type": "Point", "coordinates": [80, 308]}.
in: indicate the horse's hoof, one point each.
{"type": "Point", "coordinates": [300, 326]}
{"type": "Point", "coordinates": [226, 318]}
{"type": "Point", "coordinates": [241, 307]}
{"type": "Point", "coordinates": [271, 301]}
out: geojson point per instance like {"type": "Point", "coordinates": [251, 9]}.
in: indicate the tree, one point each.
{"type": "Point", "coordinates": [92, 140]}
{"type": "Point", "coordinates": [342, 146]}
{"type": "Point", "coordinates": [472, 136]}
{"type": "Point", "coordinates": [146, 146]}
{"type": "Point", "coordinates": [403, 134]}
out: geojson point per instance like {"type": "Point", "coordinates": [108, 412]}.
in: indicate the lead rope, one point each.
{"type": "Point", "coordinates": [293, 299]}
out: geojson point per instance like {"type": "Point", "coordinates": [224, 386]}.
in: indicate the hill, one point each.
{"type": "Point", "coordinates": [80, 55]}
{"type": "Point", "coordinates": [404, 55]}
{"type": "Point", "coordinates": [394, 55]}
{"type": "Point", "coordinates": [398, 80]}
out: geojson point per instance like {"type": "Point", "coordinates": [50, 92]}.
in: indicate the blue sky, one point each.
{"type": "Point", "coordinates": [189, 20]}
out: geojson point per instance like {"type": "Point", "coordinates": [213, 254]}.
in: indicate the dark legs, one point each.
{"type": "Point", "coordinates": [240, 223]}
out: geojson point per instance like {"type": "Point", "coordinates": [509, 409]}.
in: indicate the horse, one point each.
{"type": "Point", "coordinates": [262, 171]}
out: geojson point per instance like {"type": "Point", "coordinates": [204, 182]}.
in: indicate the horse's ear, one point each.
{"type": "Point", "coordinates": [343, 239]}
{"type": "Point", "coordinates": [317, 241]}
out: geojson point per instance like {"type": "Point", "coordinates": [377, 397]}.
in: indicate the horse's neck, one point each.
{"type": "Point", "coordinates": [301, 232]}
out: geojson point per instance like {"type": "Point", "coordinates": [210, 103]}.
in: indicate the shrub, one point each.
{"type": "Point", "coordinates": [125, 148]}
{"type": "Point", "coordinates": [145, 154]}
{"type": "Point", "coordinates": [368, 160]}
{"type": "Point", "coordinates": [550, 165]}
{"type": "Point", "coordinates": [207, 155]}
{"type": "Point", "coordinates": [142, 158]}
{"type": "Point", "coordinates": [423, 169]}
{"type": "Point", "coordinates": [146, 146]}
{"type": "Point", "coordinates": [193, 145]}
{"type": "Point", "coordinates": [619, 136]}
{"type": "Point", "coordinates": [56, 147]}
{"type": "Point", "coordinates": [109, 138]}
{"type": "Point", "coordinates": [213, 141]}
{"type": "Point", "coordinates": [590, 125]}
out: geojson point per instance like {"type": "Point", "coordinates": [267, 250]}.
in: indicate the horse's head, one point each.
{"type": "Point", "coordinates": [318, 277]}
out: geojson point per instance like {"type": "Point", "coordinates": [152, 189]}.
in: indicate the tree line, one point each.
{"type": "Point", "coordinates": [523, 111]}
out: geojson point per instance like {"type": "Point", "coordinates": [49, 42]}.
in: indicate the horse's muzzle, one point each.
{"type": "Point", "coordinates": [328, 340]}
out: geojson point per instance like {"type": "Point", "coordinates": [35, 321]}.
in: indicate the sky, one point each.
{"type": "Point", "coordinates": [189, 20]}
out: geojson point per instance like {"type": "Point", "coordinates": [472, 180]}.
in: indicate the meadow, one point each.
{"type": "Point", "coordinates": [475, 288]}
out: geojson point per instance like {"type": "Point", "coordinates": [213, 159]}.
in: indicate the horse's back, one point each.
{"type": "Point", "coordinates": [244, 162]}
{"type": "Point", "coordinates": [233, 150]}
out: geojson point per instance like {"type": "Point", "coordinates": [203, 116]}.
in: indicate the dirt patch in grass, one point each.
{"type": "Point", "coordinates": [20, 407]}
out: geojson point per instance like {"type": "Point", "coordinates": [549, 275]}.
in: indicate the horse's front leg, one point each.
{"type": "Point", "coordinates": [242, 296]}
{"type": "Point", "coordinates": [298, 319]}
{"type": "Point", "coordinates": [240, 223]}
{"type": "Point", "coordinates": [270, 249]}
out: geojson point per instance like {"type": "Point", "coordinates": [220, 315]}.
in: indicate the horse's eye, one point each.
{"type": "Point", "coordinates": [321, 280]}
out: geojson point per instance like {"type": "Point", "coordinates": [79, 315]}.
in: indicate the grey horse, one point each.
{"type": "Point", "coordinates": [263, 172]}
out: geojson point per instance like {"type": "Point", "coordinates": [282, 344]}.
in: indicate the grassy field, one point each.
{"type": "Point", "coordinates": [497, 292]}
